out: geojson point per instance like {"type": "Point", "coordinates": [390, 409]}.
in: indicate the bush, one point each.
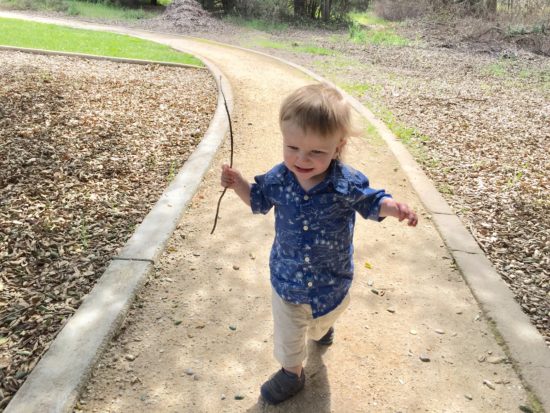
{"type": "Point", "coordinates": [265, 9]}
{"type": "Point", "coordinates": [56, 5]}
{"type": "Point", "coordinates": [397, 10]}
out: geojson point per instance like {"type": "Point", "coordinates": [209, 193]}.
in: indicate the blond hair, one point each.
{"type": "Point", "coordinates": [318, 108]}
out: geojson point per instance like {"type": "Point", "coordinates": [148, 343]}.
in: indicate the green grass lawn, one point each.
{"type": "Point", "coordinates": [107, 11]}
{"type": "Point", "coordinates": [292, 46]}
{"type": "Point", "coordinates": [379, 32]}
{"type": "Point", "coordinates": [21, 33]}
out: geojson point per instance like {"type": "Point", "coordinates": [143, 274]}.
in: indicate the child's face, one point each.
{"type": "Point", "coordinates": [308, 155]}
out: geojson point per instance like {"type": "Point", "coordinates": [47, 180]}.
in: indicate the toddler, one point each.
{"type": "Point", "coordinates": [315, 197]}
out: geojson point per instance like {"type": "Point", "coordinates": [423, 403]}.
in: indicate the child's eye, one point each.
{"type": "Point", "coordinates": [293, 148]}
{"type": "Point", "coordinates": [316, 152]}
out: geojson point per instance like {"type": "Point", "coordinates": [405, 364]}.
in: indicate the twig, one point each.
{"type": "Point", "coordinates": [230, 159]}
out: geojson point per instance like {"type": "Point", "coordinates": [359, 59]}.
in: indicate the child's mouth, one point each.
{"type": "Point", "coordinates": [303, 170]}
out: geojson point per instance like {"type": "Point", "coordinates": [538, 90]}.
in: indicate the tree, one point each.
{"type": "Point", "coordinates": [299, 7]}
{"type": "Point", "coordinates": [491, 7]}
{"type": "Point", "coordinates": [326, 10]}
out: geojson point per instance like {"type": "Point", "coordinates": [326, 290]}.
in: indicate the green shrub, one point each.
{"type": "Point", "coordinates": [55, 5]}
{"type": "Point", "coordinates": [398, 10]}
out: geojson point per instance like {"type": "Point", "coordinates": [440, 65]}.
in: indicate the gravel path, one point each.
{"type": "Point", "coordinates": [474, 112]}
{"type": "Point", "coordinates": [478, 124]}
{"type": "Point", "coordinates": [87, 148]}
{"type": "Point", "coordinates": [199, 336]}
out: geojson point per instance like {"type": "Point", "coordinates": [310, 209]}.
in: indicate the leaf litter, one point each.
{"type": "Point", "coordinates": [86, 149]}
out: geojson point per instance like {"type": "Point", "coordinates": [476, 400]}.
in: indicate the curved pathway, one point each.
{"type": "Point", "coordinates": [200, 332]}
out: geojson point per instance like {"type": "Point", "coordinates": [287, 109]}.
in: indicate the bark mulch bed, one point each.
{"type": "Point", "coordinates": [86, 149]}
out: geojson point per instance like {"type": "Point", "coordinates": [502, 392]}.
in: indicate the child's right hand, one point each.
{"type": "Point", "coordinates": [230, 177]}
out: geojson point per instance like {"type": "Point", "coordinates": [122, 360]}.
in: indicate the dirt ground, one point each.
{"type": "Point", "coordinates": [199, 338]}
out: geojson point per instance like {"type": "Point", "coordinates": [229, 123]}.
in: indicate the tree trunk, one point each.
{"type": "Point", "coordinates": [491, 7]}
{"type": "Point", "coordinates": [208, 5]}
{"type": "Point", "coordinates": [299, 8]}
{"type": "Point", "coordinates": [228, 6]}
{"type": "Point", "coordinates": [325, 12]}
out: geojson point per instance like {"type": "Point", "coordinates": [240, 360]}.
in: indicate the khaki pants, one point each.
{"type": "Point", "coordinates": [293, 322]}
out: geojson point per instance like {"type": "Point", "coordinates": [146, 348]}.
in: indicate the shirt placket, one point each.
{"type": "Point", "coordinates": [307, 240]}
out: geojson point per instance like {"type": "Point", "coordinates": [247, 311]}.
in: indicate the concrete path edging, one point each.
{"type": "Point", "coordinates": [97, 57]}
{"type": "Point", "coordinates": [55, 383]}
{"type": "Point", "coordinates": [522, 341]}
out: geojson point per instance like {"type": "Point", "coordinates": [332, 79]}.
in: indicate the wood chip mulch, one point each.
{"type": "Point", "coordinates": [86, 149]}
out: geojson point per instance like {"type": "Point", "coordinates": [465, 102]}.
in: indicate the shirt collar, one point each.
{"type": "Point", "coordinates": [338, 175]}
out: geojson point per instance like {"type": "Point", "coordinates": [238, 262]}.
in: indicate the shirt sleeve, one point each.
{"type": "Point", "coordinates": [366, 200]}
{"type": "Point", "coordinates": [260, 201]}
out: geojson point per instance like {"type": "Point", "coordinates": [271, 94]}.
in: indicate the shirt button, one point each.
{"type": "Point", "coordinates": [306, 197]}
{"type": "Point", "coordinates": [306, 227]}
{"type": "Point", "coordinates": [310, 284]}
{"type": "Point", "coordinates": [306, 259]}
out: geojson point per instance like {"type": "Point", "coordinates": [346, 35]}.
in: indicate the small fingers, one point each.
{"type": "Point", "coordinates": [413, 219]}
{"type": "Point", "coordinates": [402, 211]}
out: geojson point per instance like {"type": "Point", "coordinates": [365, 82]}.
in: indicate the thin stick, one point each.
{"type": "Point", "coordinates": [230, 159]}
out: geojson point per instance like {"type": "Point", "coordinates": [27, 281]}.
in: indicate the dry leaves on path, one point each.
{"type": "Point", "coordinates": [86, 149]}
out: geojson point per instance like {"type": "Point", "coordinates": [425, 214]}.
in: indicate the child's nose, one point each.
{"type": "Point", "coordinates": [303, 156]}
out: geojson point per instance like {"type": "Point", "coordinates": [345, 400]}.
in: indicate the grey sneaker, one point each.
{"type": "Point", "coordinates": [327, 339]}
{"type": "Point", "coordinates": [282, 386]}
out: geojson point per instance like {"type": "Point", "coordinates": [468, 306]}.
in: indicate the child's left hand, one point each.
{"type": "Point", "coordinates": [399, 210]}
{"type": "Point", "coordinates": [404, 212]}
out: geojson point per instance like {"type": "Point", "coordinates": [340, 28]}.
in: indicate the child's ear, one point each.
{"type": "Point", "coordinates": [341, 145]}
{"type": "Point", "coordinates": [339, 148]}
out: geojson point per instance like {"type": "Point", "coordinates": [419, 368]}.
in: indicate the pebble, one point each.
{"type": "Point", "coordinates": [489, 384]}
{"type": "Point", "coordinates": [233, 328]}
{"type": "Point", "coordinates": [236, 267]}
{"type": "Point", "coordinates": [469, 397]}
{"type": "Point", "coordinates": [375, 291]}
{"type": "Point", "coordinates": [239, 396]}
{"type": "Point", "coordinates": [223, 396]}
{"type": "Point", "coordinates": [391, 310]}
{"type": "Point", "coordinates": [370, 283]}
{"type": "Point", "coordinates": [439, 331]}
{"type": "Point", "coordinates": [130, 357]}
{"type": "Point", "coordinates": [482, 358]}
{"type": "Point", "coordinates": [424, 358]}
{"type": "Point", "coordinates": [189, 372]}
{"type": "Point", "coordinates": [525, 409]}
{"type": "Point", "coordinates": [496, 359]}
{"type": "Point", "coordinates": [252, 256]}
{"type": "Point", "coordinates": [413, 332]}
{"type": "Point", "coordinates": [196, 377]}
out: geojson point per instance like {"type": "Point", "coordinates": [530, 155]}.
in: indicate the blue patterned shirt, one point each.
{"type": "Point", "coordinates": [311, 259]}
